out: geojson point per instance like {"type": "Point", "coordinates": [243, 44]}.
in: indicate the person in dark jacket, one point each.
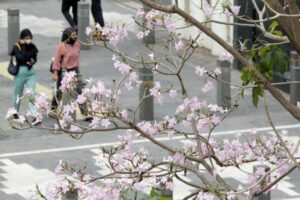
{"type": "Point", "coordinates": [97, 12]}
{"type": "Point", "coordinates": [26, 56]}
{"type": "Point", "coordinates": [65, 9]}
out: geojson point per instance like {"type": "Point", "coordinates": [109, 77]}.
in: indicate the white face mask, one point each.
{"type": "Point", "coordinates": [28, 41]}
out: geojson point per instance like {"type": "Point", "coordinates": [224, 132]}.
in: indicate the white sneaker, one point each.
{"type": "Point", "coordinates": [36, 122]}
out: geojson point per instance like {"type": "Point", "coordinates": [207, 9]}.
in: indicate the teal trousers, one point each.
{"type": "Point", "coordinates": [25, 78]}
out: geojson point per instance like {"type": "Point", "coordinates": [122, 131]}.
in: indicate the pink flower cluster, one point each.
{"type": "Point", "coordinates": [67, 82]}
{"type": "Point", "coordinates": [155, 18]}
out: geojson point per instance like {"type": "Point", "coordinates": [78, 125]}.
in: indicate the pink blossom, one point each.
{"type": "Point", "coordinates": [133, 76]}
{"type": "Point", "coordinates": [59, 168]}
{"type": "Point", "coordinates": [173, 93]}
{"type": "Point", "coordinates": [208, 11]}
{"type": "Point", "coordinates": [260, 171]}
{"type": "Point", "coordinates": [74, 128]}
{"type": "Point", "coordinates": [122, 67]}
{"type": "Point", "coordinates": [95, 122]}
{"type": "Point", "coordinates": [169, 185]}
{"type": "Point", "coordinates": [66, 81]}
{"type": "Point", "coordinates": [203, 123]}
{"type": "Point", "coordinates": [208, 86]}
{"type": "Point", "coordinates": [97, 194]}
{"type": "Point", "coordinates": [170, 134]}
{"type": "Point", "coordinates": [235, 9]}
{"type": "Point", "coordinates": [147, 127]}
{"type": "Point", "coordinates": [283, 169]}
{"type": "Point", "coordinates": [114, 57]}
{"type": "Point", "coordinates": [178, 45]}
{"type": "Point", "coordinates": [117, 94]}
{"type": "Point", "coordinates": [217, 71]}
{"type": "Point", "coordinates": [155, 92]}
{"type": "Point", "coordinates": [124, 114]}
{"type": "Point", "coordinates": [205, 196]}
{"type": "Point", "coordinates": [41, 102]}
{"type": "Point", "coordinates": [96, 105]}
{"type": "Point", "coordinates": [71, 108]}
{"type": "Point", "coordinates": [100, 89]}
{"type": "Point", "coordinates": [63, 185]}
{"type": "Point", "coordinates": [215, 120]}
{"type": "Point", "coordinates": [214, 108]}
{"type": "Point", "coordinates": [81, 99]}
{"type": "Point", "coordinates": [128, 85]}
{"type": "Point", "coordinates": [51, 192]}
{"type": "Point", "coordinates": [140, 12]}
{"type": "Point", "coordinates": [169, 24]}
{"type": "Point", "coordinates": [225, 56]}
{"type": "Point", "coordinates": [200, 70]}
{"type": "Point", "coordinates": [116, 35]}
{"type": "Point", "coordinates": [105, 123]}
{"type": "Point", "coordinates": [179, 158]}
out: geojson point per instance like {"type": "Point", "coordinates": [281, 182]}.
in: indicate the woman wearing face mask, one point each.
{"type": "Point", "coordinates": [26, 56]}
{"type": "Point", "coordinates": [66, 59]}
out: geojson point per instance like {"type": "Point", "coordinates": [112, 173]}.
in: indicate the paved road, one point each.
{"type": "Point", "coordinates": [29, 157]}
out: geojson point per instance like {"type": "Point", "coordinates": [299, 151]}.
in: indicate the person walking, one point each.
{"type": "Point", "coordinates": [66, 59]}
{"type": "Point", "coordinates": [65, 9]}
{"type": "Point", "coordinates": [97, 12]}
{"type": "Point", "coordinates": [26, 56]}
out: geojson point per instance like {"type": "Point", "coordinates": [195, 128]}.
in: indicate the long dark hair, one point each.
{"type": "Point", "coordinates": [66, 35]}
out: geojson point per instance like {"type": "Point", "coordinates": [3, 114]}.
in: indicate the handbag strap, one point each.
{"type": "Point", "coordinates": [18, 46]}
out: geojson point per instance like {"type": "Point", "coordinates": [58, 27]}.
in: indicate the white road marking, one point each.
{"type": "Point", "coordinates": [38, 25]}
{"type": "Point", "coordinates": [21, 178]}
{"type": "Point", "coordinates": [100, 162]}
{"type": "Point", "coordinates": [41, 151]}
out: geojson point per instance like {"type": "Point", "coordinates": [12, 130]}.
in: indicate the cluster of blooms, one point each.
{"type": "Point", "coordinates": [155, 91]}
{"type": "Point", "coordinates": [77, 184]}
{"type": "Point", "coordinates": [236, 151]}
{"type": "Point", "coordinates": [155, 18]}
{"type": "Point", "coordinates": [67, 82]}
{"type": "Point", "coordinates": [225, 56]}
{"type": "Point", "coordinates": [202, 113]}
{"type": "Point", "coordinates": [114, 34]}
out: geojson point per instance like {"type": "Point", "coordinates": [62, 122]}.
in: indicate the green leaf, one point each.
{"type": "Point", "coordinates": [153, 193]}
{"type": "Point", "coordinates": [279, 33]}
{"type": "Point", "coordinates": [165, 198]}
{"type": "Point", "coordinates": [274, 24]}
{"type": "Point", "coordinates": [256, 93]}
{"type": "Point", "coordinates": [263, 50]}
{"type": "Point", "coordinates": [246, 76]}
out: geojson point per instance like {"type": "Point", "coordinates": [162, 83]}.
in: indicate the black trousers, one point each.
{"type": "Point", "coordinates": [65, 9]}
{"type": "Point", "coordinates": [58, 94]}
{"type": "Point", "coordinates": [97, 12]}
